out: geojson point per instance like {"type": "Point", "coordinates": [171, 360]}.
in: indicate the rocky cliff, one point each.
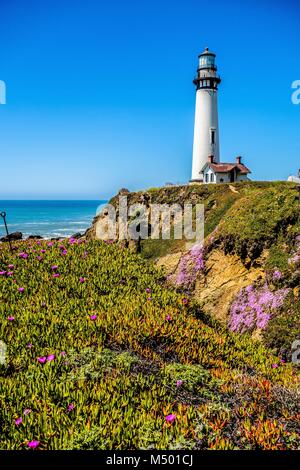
{"type": "Point", "coordinates": [250, 244]}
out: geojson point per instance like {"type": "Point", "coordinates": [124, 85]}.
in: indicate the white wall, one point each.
{"type": "Point", "coordinates": [206, 117]}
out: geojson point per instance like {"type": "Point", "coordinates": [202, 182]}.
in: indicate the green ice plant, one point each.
{"type": "Point", "coordinates": [98, 348]}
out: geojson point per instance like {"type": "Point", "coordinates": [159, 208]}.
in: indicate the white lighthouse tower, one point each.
{"type": "Point", "coordinates": [206, 130]}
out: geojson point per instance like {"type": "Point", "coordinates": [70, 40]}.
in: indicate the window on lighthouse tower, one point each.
{"type": "Point", "coordinates": [213, 136]}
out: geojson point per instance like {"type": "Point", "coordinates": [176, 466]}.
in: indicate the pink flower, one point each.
{"type": "Point", "coordinates": [29, 345]}
{"type": "Point", "coordinates": [149, 298]}
{"type": "Point", "coordinates": [11, 318]}
{"type": "Point", "coordinates": [64, 252]}
{"type": "Point", "coordinates": [168, 318]}
{"type": "Point", "coordinates": [81, 279]}
{"type": "Point", "coordinates": [274, 366]}
{"type": "Point", "coordinates": [43, 251]}
{"type": "Point", "coordinates": [18, 421]}
{"type": "Point", "coordinates": [42, 359]}
{"type": "Point", "coordinates": [179, 383]}
{"type": "Point", "coordinates": [148, 290]}
{"type": "Point", "coordinates": [23, 255]}
{"type": "Point", "coordinates": [56, 275]}
{"type": "Point", "coordinates": [21, 289]}
{"type": "Point", "coordinates": [170, 418]}
{"type": "Point", "coordinates": [50, 244]}
{"type": "Point", "coordinates": [63, 353]}
{"type": "Point", "coordinates": [185, 301]}
{"type": "Point", "coordinates": [277, 275]}
{"type": "Point", "coordinates": [11, 266]}
{"type": "Point", "coordinates": [39, 258]}
{"type": "Point", "coordinates": [33, 444]}
{"type": "Point", "coordinates": [10, 273]}
{"type": "Point", "coordinates": [27, 411]}
{"type": "Point", "coordinates": [93, 317]}
{"type": "Point", "coordinates": [54, 267]}
{"type": "Point", "coordinates": [2, 273]}
{"type": "Point", "coordinates": [51, 357]}
{"type": "Point", "coordinates": [70, 407]}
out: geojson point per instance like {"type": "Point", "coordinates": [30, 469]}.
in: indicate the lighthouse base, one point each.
{"type": "Point", "coordinates": [197, 181]}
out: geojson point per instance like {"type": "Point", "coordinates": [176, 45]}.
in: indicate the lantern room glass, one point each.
{"type": "Point", "coordinates": [206, 61]}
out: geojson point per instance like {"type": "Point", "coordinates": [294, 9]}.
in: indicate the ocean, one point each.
{"type": "Point", "coordinates": [49, 219]}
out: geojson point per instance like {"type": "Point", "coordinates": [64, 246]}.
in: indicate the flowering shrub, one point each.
{"type": "Point", "coordinates": [254, 307]}
{"type": "Point", "coordinates": [190, 264]}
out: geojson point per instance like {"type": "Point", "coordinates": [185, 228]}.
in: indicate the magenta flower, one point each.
{"type": "Point", "coordinates": [11, 266]}
{"type": "Point", "coordinates": [51, 357]}
{"type": "Point", "coordinates": [168, 318]}
{"type": "Point", "coordinates": [185, 301]}
{"type": "Point", "coordinates": [179, 383]}
{"type": "Point", "coordinates": [27, 411]}
{"type": "Point", "coordinates": [43, 251]}
{"type": "Point", "coordinates": [277, 275]}
{"type": "Point", "coordinates": [21, 289]}
{"type": "Point", "coordinates": [23, 255]}
{"type": "Point", "coordinates": [11, 318]}
{"type": "Point", "coordinates": [10, 273]}
{"type": "Point", "coordinates": [18, 421]}
{"type": "Point", "coordinates": [274, 366]}
{"type": "Point", "coordinates": [50, 244]}
{"type": "Point", "coordinates": [149, 298]}
{"type": "Point", "coordinates": [39, 258]}
{"type": "Point", "coordinates": [64, 252]}
{"type": "Point", "coordinates": [2, 273]}
{"type": "Point", "coordinates": [148, 290]}
{"type": "Point", "coordinates": [54, 267]}
{"type": "Point", "coordinates": [70, 407]}
{"type": "Point", "coordinates": [93, 317]}
{"type": "Point", "coordinates": [33, 444]}
{"type": "Point", "coordinates": [63, 353]}
{"type": "Point", "coordinates": [170, 418]}
{"type": "Point", "coordinates": [29, 345]}
{"type": "Point", "coordinates": [56, 275]}
{"type": "Point", "coordinates": [42, 359]}
{"type": "Point", "coordinates": [81, 279]}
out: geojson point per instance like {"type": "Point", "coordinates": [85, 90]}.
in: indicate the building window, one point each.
{"type": "Point", "coordinates": [213, 136]}
{"type": "Point", "coordinates": [221, 180]}
{"type": "Point", "coordinates": [206, 178]}
{"type": "Point", "coordinates": [212, 179]}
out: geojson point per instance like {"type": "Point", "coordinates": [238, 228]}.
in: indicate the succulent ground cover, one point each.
{"type": "Point", "coordinates": [100, 354]}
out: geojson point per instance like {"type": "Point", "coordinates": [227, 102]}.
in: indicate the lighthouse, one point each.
{"type": "Point", "coordinates": [206, 128]}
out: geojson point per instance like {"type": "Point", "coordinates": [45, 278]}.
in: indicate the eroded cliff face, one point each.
{"type": "Point", "coordinates": [224, 276]}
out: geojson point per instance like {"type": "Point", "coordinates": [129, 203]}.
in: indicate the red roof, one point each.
{"type": "Point", "coordinates": [225, 167]}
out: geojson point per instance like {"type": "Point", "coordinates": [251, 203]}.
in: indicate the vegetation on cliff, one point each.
{"type": "Point", "coordinates": [254, 222]}
{"type": "Point", "coordinates": [100, 354]}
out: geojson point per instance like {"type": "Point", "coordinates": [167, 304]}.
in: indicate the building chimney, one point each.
{"type": "Point", "coordinates": [238, 160]}
{"type": "Point", "coordinates": [211, 159]}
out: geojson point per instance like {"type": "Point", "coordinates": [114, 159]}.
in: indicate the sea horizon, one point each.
{"type": "Point", "coordinates": [49, 218]}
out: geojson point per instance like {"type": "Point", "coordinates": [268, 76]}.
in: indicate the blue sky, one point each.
{"type": "Point", "coordinates": [100, 94]}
